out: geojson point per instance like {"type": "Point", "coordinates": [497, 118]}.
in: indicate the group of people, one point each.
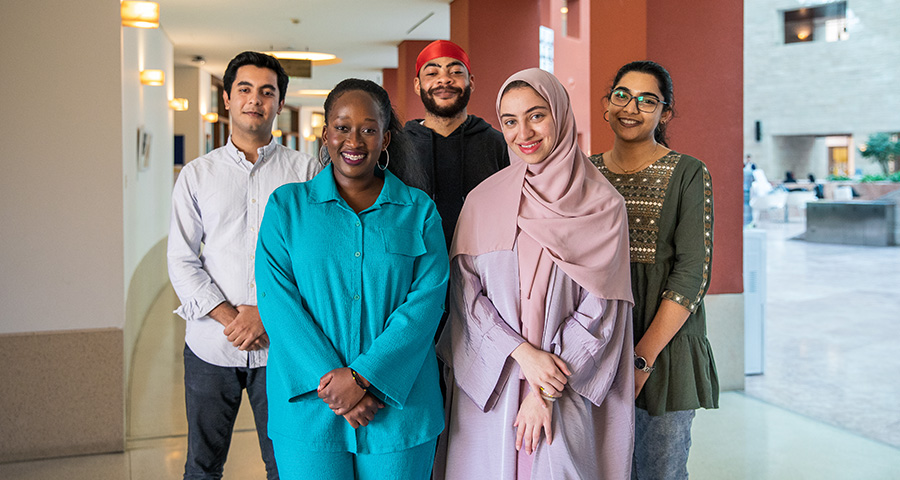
{"type": "Point", "coordinates": [565, 292]}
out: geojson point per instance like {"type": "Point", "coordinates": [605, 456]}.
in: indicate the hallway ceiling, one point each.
{"type": "Point", "coordinates": [363, 33]}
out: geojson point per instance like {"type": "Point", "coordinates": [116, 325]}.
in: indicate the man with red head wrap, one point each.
{"type": "Point", "coordinates": [457, 150]}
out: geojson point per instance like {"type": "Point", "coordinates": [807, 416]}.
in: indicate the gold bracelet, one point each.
{"type": "Point", "coordinates": [549, 397]}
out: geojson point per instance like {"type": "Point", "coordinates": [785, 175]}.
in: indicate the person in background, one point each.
{"type": "Point", "coordinates": [748, 182]}
{"type": "Point", "coordinates": [818, 188]}
{"type": "Point", "coordinates": [457, 150]}
{"type": "Point", "coordinates": [217, 206]}
{"type": "Point", "coordinates": [759, 190]}
{"type": "Point", "coordinates": [352, 271]}
{"type": "Point", "coordinates": [790, 182]}
{"type": "Point", "coordinates": [670, 222]}
{"type": "Point", "coordinates": [539, 335]}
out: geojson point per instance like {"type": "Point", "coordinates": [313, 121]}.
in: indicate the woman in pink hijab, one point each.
{"type": "Point", "coordinates": [539, 339]}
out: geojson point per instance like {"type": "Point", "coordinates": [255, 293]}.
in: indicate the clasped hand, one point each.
{"type": "Point", "coordinates": [246, 331]}
{"type": "Point", "coordinates": [345, 397]}
{"type": "Point", "coordinates": [540, 369]}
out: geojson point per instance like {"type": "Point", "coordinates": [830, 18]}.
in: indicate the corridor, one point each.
{"type": "Point", "coordinates": [831, 334]}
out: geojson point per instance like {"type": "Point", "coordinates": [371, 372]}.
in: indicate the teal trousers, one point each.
{"type": "Point", "coordinates": [296, 463]}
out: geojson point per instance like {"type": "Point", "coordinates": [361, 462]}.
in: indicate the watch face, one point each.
{"type": "Point", "coordinates": [640, 363]}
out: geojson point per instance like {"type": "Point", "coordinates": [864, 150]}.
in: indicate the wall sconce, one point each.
{"type": "Point", "coordinates": [153, 77]}
{"type": "Point", "coordinates": [178, 104]}
{"type": "Point", "coordinates": [316, 120]}
{"type": "Point", "coordinates": [277, 133]}
{"type": "Point", "coordinates": [211, 117]}
{"type": "Point", "coordinates": [140, 14]}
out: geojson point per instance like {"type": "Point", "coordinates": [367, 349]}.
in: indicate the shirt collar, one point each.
{"type": "Point", "coordinates": [323, 189]}
{"type": "Point", "coordinates": [238, 156]}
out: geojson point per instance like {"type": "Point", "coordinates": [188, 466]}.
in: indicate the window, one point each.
{"type": "Point", "coordinates": [826, 23]}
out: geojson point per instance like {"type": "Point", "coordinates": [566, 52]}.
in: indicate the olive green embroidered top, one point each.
{"type": "Point", "coordinates": [670, 225]}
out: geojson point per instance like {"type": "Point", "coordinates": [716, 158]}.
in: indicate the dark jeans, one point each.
{"type": "Point", "coordinates": [212, 395]}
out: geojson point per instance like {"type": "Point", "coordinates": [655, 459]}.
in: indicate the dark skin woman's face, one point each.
{"type": "Point", "coordinates": [354, 136]}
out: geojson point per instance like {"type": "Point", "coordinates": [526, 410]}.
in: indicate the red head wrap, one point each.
{"type": "Point", "coordinates": [441, 48]}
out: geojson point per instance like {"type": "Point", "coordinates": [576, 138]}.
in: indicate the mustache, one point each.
{"type": "Point", "coordinates": [456, 90]}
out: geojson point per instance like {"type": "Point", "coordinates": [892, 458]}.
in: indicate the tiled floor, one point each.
{"type": "Point", "coordinates": [826, 408]}
{"type": "Point", "coordinates": [832, 333]}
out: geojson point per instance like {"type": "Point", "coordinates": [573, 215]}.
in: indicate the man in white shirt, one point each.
{"type": "Point", "coordinates": [217, 207]}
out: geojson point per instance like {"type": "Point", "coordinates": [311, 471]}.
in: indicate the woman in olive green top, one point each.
{"type": "Point", "coordinates": [668, 196]}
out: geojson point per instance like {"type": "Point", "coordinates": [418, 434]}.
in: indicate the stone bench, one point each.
{"type": "Point", "coordinates": [853, 222]}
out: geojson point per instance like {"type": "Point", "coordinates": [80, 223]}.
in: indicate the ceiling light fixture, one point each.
{"type": "Point", "coordinates": [211, 117]}
{"type": "Point", "coordinates": [317, 58]}
{"type": "Point", "coordinates": [312, 93]}
{"type": "Point", "coordinates": [140, 14]}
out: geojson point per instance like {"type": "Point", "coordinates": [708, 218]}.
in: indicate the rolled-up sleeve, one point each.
{"type": "Point", "coordinates": [193, 285]}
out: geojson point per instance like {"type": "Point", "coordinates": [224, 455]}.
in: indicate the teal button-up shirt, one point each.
{"type": "Point", "coordinates": [365, 291]}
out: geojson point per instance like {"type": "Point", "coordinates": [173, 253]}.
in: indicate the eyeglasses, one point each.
{"type": "Point", "coordinates": [645, 103]}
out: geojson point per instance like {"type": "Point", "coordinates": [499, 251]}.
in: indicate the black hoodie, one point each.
{"type": "Point", "coordinates": [456, 164]}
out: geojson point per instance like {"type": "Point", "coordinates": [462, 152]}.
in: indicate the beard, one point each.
{"type": "Point", "coordinates": [448, 111]}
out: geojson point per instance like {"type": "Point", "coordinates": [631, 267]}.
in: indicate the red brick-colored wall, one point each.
{"type": "Point", "coordinates": [501, 38]}
{"type": "Point", "coordinates": [701, 44]}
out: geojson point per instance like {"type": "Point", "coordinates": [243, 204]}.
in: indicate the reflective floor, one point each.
{"type": "Point", "coordinates": [832, 333]}
{"type": "Point", "coordinates": [826, 408]}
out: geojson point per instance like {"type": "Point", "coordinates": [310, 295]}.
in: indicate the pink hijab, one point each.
{"type": "Point", "coordinates": [562, 210]}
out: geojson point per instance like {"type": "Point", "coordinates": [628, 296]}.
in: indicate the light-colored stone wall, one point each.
{"type": "Point", "coordinates": [725, 330]}
{"type": "Point", "coordinates": [819, 88]}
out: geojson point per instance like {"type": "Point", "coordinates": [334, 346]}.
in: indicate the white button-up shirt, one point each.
{"type": "Point", "coordinates": [217, 207]}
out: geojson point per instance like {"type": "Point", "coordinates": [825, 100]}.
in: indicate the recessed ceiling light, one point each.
{"type": "Point", "coordinates": [312, 93]}
{"type": "Point", "coordinates": [317, 58]}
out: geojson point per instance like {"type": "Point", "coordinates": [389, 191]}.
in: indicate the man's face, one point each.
{"type": "Point", "coordinates": [444, 84]}
{"type": "Point", "coordinates": [253, 100]}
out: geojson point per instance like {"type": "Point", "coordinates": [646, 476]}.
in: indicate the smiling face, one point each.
{"type": "Point", "coordinates": [354, 136]}
{"type": "Point", "coordinates": [527, 124]}
{"type": "Point", "coordinates": [253, 101]}
{"type": "Point", "coordinates": [628, 122]}
{"type": "Point", "coordinates": [444, 85]}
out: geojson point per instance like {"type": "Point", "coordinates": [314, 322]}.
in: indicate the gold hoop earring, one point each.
{"type": "Point", "coordinates": [386, 153]}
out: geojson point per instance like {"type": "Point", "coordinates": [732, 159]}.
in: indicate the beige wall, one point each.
{"type": "Point", "coordinates": [195, 85]}
{"type": "Point", "coordinates": [147, 185]}
{"type": "Point", "coordinates": [61, 190]}
{"type": "Point", "coordinates": [62, 241]}
{"type": "Point", "coordinates": [81, 220]}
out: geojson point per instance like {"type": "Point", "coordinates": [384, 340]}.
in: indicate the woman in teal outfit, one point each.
{"type": "Point", "coordinates": [352, 272]}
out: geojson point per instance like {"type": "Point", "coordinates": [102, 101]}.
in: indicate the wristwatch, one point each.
{"type": "Point", "coordinates": [640, 363]}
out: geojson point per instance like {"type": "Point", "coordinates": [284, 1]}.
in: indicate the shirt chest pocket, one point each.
{"type": "Point", "coordinates": [402, 242]}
